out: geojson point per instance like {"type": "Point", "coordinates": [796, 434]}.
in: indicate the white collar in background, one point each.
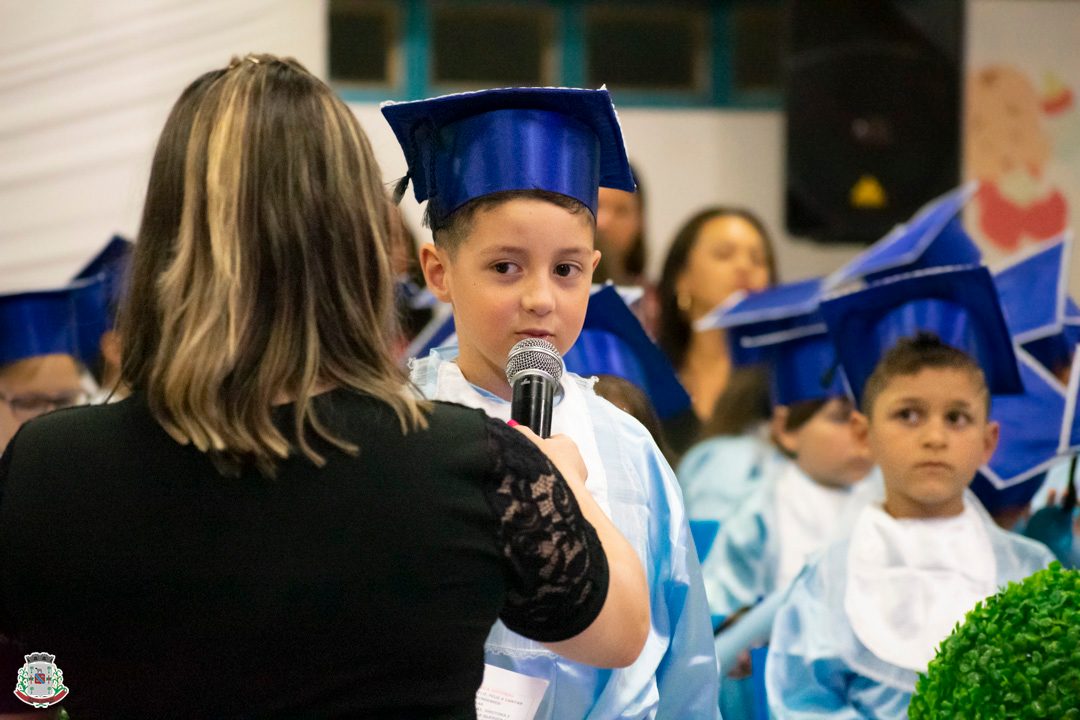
{"type": "Point", "coordinates": [808, 517]}
{"type": "Point", "coordinates": [909, 581]}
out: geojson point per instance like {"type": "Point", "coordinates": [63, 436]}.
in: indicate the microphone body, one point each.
{"type": "Point", "coordinates": [533, 369]}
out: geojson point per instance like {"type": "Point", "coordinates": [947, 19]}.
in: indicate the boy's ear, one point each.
{"type": "Point", "coordinates": [787, 441]}
{"type": "Point", "coordinates": [860, 428]}
{"type": "Point", "coordinates": [990, 440]}
{"type": "Point", "coordinates": [433, 261]}
{"type": "Point", "coordinates": [595, 259]}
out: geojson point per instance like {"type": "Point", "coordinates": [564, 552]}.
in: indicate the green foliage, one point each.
{"type": "Point", "coordinates": [1016, 655]}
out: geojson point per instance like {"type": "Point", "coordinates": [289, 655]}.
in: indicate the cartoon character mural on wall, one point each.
{"type": "Point", "coordinates": [1017, 144]}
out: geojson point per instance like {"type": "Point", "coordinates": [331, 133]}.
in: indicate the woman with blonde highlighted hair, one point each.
{"type": "Point", "coordinates": [272, 525]}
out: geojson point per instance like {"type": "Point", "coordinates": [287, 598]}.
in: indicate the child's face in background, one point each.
{"type": "Point", "coordinates": [35, 386]}
{"type": "Point", "coordinates": [825, 447]}
{"type": "Point", "coordinates": [524, 270]}
{"type": "Point", "coordinates": [929, 433]}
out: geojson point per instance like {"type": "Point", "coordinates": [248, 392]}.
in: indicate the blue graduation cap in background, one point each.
{"type": "Point", "coordinates": [1034, 295]}
{"type": "Point", "coordinates": [934, 237]}
{"type": "Point", "coordinates": [612, 342]}
{"type": "Point", "coordinates": [1031, 425]}
{"type": "Point", "coordinates": [783, 327]}
{"type": "Point", "coordinates": [112, 265]}
{"type": "Point", "coordinates": [464, 146]}
{"type": "Point", "coordinates": [958, 304]}
{"type": "Point", "coordinates": [68, 320]}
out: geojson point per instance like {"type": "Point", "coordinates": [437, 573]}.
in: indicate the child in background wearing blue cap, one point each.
{"type": "Point", "coordinates": [863, 619]}
{"type": "Point", "coordinates": [45, 336]}
{"type": "Point", "coordinates": [790, 516]}
{"type": "Point", "coordinates": [807, 499]}
{"type": "Point", "coordinates": [511, 180]}
{"type": "Point", "coordinates": [36, 385]}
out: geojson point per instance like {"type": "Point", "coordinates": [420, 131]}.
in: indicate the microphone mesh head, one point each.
{"type": "Point", "coordinates": [534, 354]}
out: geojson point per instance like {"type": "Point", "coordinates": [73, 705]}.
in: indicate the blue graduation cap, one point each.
{"type": "Point", "coordinates": [1055, 351]}
{"type": "Point", "coordinates": [783, 327]}
{"type": "Point", "coordinates": [67, 320]}
{"type": "Point", "coordinates": [958, 304]}
{"type": "Point", "coordinates": [112, 264]}
{"type": "Point", "coordinates": [934, 237]}
{"type": "Point", "coordinates": [1042, 318]}
{"type": "Point", "coordinates": [612, 342]}
{"type": "Point", "coordinates": [464, 146]}
{"type": "Point", "coordinates": [1030, 433]}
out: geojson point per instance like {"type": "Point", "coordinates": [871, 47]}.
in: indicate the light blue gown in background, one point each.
{"type": "Point", "coordinates": [744, 564]}
{"type": "Point", "coordinates": [676, 675]}
{"type": "Point", "coordinates": [718, 475]}
{"type": "Point", "coordinates": [817, 668]}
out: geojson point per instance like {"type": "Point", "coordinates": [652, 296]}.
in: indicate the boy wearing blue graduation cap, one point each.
{"type": "Point", "coordinates": [511, 179]}
{"type": "Point", "coordinates": [865, 617]}
{"type": "Point", "coordinates": [44, 338]}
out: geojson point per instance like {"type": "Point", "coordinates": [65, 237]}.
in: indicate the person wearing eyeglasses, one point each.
{"type": "Point", "coordinates": [44, 339]}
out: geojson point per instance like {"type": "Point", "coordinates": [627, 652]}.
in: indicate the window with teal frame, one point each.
{"type": "Point", "coordinates": [726, 53]}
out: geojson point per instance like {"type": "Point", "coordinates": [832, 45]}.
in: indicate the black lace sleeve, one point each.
{"type": "Point", "coordinates": [557, 568]}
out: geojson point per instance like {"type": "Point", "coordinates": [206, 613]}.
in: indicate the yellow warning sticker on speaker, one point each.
{"type": "Point", "coordinates": [868, 194]}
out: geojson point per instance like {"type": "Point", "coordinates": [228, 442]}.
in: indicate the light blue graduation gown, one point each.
{"type": "Point", "coordinates": [817, 668]}
{"type": "Point", "coordinates": [718, 475]}
{"type": "Point", "coordinates": [743, 566]}
{"type": "Point", "coordinates": [676, 675]}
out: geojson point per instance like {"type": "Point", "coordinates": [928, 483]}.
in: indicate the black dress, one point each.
{"type": "Point", "coordinates": [364, 588]}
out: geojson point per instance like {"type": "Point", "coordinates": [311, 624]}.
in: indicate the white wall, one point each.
{"type": "Point", "coordinates": [85, 88]}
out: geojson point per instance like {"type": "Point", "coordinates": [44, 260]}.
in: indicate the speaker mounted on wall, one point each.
{"type": "Point", "coordinates": [872, 97]}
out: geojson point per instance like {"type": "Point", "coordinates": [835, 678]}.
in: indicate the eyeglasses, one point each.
{"type": "Point", "coordinates": [27, 407]}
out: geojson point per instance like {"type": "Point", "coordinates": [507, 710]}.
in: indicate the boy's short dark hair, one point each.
{"type": "Point", "coordinates": [913, 354]}
{"type": "Point", "coordinates": [449, 232]}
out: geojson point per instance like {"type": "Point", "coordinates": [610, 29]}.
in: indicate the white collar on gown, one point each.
{"type": "Point", "coordinates": [909, 581]}
{"type": "Point", "coordinates": [571, 418]}
{"type": "Point", "coordinates": [808, 515]}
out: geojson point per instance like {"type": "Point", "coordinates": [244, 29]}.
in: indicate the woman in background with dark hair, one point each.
{"type": "Point", "coordinates": [271, 525]}
{"type": "Point", "coordinates": [717, 252]}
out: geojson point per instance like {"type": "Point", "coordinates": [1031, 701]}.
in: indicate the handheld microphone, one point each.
{"type": "Point", "coordinates": [533, 369]}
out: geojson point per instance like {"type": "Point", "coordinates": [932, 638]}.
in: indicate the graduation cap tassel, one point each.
{"type": "Point", "coordinates": [400, 187]}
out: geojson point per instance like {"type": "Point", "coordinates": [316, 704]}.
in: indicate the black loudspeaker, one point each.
{"type": "Point", "coordinates": [872, 95]}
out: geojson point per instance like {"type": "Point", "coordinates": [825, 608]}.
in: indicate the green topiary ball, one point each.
{"type": "Point", "coordinates": [1016, 655]}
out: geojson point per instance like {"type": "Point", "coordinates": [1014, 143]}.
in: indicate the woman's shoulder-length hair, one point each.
{"type": "Point", "coordinates": [261, 272]}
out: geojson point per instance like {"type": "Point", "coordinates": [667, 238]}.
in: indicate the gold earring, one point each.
{"type": "Point", "coordinates": [684, 301]}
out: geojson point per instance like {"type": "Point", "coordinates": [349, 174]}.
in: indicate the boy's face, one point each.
{"type": "Point", "coordinates": [35, 386]}
{"type": "Point", "coordinates": [929, 433]}
{"type": "Point", "coordinates": [825, 446]}
{"type": "Point", "coordinates": [523, 270]}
